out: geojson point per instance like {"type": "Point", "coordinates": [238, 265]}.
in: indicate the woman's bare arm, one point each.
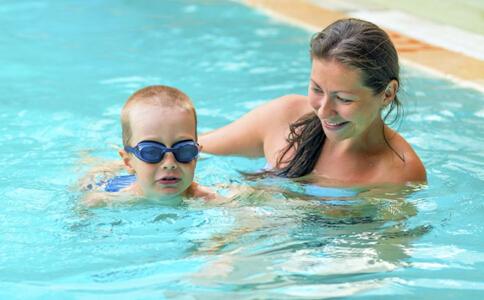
{"type": "Point", "coordinates": [248, 135]}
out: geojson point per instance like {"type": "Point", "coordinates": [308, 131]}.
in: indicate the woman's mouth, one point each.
{"type": "Point", "coordinates": [334, 125]}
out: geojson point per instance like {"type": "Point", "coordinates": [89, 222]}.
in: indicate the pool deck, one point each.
{"type": "Point", "coordinates": [460, 58]}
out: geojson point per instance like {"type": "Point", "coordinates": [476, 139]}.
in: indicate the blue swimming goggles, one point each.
{"type": "Point", "coordinates": [153, 152]}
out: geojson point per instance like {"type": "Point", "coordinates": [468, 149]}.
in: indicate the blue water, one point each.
{"type": "Point", "coordinates": [66, 69]}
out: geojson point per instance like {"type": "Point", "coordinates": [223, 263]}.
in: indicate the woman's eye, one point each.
{"type": "Point", "coordinates": [317, 90]}
{"type": "Point", "coordinates": [343, 100]}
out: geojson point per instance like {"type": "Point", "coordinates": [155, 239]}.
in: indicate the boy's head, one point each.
{"type": "Point", "coordinates": [153, 118]}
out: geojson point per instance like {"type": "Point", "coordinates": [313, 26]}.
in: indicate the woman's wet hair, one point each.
{"type": "Point", "coordinates": [357, 44]}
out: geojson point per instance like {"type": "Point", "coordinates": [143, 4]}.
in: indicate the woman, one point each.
{"type": "Point", "coordinates": [337, 132]}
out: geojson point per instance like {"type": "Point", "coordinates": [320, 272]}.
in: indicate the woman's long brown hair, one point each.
{"type": "Point", "coordinates": [355, 43]}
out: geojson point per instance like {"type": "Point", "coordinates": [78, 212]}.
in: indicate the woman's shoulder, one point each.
{"type": "Point", "coordinates": [276, 115]}
{"type": "Point", "coordinates": [414, 167]}
{"type": "Point", "coordinates": [294, 101]}
{"type": "Point", "coordinates": [290, 107]}
{"type": "Point", "coordinates": [411, 167]}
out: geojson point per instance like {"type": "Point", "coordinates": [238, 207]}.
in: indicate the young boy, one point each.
{"type": "Point", "coordinates": [160, 148]}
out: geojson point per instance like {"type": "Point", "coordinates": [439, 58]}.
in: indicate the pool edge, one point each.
{"type": "Point", "coordinates": [457, 67]}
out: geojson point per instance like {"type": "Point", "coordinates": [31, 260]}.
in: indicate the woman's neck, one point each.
{"type": "Point", "coordinates": [371, 141]}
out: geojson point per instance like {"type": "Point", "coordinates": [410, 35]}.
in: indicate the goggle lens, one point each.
{"type": "Point", "coordinates": [151, 154]}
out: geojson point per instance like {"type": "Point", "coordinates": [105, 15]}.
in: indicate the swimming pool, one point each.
{"type": "Point", "coordinates": [67, 69]}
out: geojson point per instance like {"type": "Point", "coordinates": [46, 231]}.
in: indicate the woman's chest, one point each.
{"type": "Point", "coordinates": [358, 169]}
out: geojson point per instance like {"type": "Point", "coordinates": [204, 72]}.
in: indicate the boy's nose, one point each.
{"type": "Point", "coordinates": [169, 162]}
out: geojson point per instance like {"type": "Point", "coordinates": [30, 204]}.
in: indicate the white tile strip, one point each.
{"type": "Point", "coordinates": [447, 37]}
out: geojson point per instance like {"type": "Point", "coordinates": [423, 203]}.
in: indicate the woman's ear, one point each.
{"type": "Point", "coordinates": [390, 92]}
{"type": "Point", "coordinates": [127, 161]}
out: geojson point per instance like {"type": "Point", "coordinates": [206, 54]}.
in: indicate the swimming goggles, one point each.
{"type": "Point", "coordinates": [153, 152]}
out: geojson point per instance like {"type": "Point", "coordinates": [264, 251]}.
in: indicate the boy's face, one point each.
{"type": "Point", "coordinates": [166, 125]}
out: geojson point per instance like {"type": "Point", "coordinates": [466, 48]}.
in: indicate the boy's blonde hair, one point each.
{"type": "Point", "coordinates": [160, 95]}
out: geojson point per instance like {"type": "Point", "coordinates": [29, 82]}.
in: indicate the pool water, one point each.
{"type": "Point", "coordinates": [67, 68]}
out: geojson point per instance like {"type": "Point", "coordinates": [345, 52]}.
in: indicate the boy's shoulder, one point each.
{"type": "Point", "coordinates": [196, 190]}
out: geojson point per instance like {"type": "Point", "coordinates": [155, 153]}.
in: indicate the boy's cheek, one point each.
{"type": "Point", "coordinates": [189, 171]}
{"type": "Point", "coordinates": [192, 168]}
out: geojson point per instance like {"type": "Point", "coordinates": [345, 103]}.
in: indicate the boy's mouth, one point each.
{"type": "Point", "coordinates": [167, 180]}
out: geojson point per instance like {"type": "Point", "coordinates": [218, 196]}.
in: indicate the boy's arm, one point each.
{"type": "Point", "coordinates": [97, 199]}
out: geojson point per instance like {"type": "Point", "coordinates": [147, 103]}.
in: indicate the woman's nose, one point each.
{"type": "Point", "coordinates": [324, 106]}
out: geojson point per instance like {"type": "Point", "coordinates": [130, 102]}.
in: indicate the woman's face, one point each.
{"type": "Point", "coordinates": [346, 108]}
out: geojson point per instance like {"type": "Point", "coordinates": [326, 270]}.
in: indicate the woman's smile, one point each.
{"type": "Point", "coordinates": [331, 125]}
